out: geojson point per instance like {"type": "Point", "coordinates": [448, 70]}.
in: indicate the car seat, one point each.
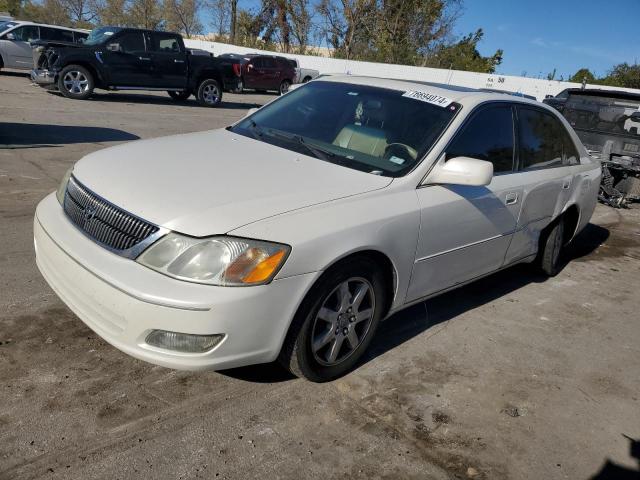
{"type": "Point", "coordinates": [366, 134]}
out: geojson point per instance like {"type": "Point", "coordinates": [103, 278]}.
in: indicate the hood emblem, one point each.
{"type": "Point", "coordinates": [89, 214]}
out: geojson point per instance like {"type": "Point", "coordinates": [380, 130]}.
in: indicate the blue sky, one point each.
{"type": "Point", "coordinates": [540, 35]}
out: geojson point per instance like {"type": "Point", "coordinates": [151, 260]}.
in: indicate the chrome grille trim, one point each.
{"type": "Point", "coordinates": [106, 224]}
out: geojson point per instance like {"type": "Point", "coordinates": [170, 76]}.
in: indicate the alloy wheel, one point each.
{"type": "Point", "coordinates": [343, 321]}
{"type": "Point", "coordinates": [75, 82]}
{"type": "Point", "coordinates": [210, 94]}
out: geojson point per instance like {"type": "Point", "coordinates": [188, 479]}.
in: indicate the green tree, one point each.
{"type": "Point", "coordinates": [581, 75]}
{"type": "Point", "coordinates": [624, 75]}
{"type": "Point", "coordinates": [464, 55]}
{"type": "Point", "coordinates": [12, 7]}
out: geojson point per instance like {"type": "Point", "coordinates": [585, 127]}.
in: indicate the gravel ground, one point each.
{"type": "Point", "coordinates": [513, 377]}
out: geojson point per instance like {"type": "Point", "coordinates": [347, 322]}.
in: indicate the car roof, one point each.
{"type": "Point", "coordinates": [601, 92]}
{"type": "Point", "coordinates": [464, 95]}
{"type": "Point", "coordinates": [20, 23]}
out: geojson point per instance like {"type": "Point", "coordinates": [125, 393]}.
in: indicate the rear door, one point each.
{"type": "Point", "coordinates": [465, 231]}
{"type": "Point", "coordinates": [169, 60]}
{"type": "Point", "coordinates": [130, 65]}
{"type": "Point", "coordinates": [17, 52]}
{"type": "Point", "coordinates": [271, 75]}
{"type": "Point", "coordinates": [545, 171]}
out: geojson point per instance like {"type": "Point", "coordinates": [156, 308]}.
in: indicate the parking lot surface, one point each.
{"type": "Point", "coordinates": [515, 376]}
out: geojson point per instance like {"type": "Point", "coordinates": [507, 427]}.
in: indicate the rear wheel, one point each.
{"type": "Point", "coordinates": [336, 322]}
{"type": "Point", "coordinates": [551, 248]}
{"type": "Point", "coordinates": [179, 96]}
{"type": "Point", "coordinates": [75, 82]}
{"type": "Point", "coordinates": [284, 87]}
{"type": "Point", "coordinates": [209, 93]}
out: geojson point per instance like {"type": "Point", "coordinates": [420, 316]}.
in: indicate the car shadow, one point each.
{"type": "Point", "coordinates": [119, 97]}
{"type": "Point", "coordinates": [614, 471]}
{"type": "Point", "coordinates": [34, 135]}
{"type": "Point", "coordinates": [414, 320]}
{"type": "Point", "coordinates": [418, 318]}
{"type": "Point", "coordinates": [14, 73]}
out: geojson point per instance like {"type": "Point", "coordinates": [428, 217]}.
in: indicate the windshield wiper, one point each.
{"type": "Point", "coordinates": [317, 151]}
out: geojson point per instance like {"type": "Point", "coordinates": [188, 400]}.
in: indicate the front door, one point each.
{"type": "Point", "coordinates": [254, 73]}
{"type": "Point", "coordinates": [130, 64]}
{"type": "Point", "coordinates": [17, 52]}
{"type": "Point", "coordinates": [169, 60]}
{"type": "Point", "coordinates": [465, 231]}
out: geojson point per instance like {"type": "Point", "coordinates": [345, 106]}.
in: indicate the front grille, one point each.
{"type": "Point", "coordinates": [107, 224]}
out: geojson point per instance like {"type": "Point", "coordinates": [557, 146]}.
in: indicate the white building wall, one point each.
{"type": "Point", "coordinates": [530, 86]}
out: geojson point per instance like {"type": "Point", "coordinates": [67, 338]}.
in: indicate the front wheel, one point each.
{"type": "Point", "coordinates": [75, 82]}
{"type": "Point", "coordinates": [284, 87]}
{"type": "Point", "coordinates": [336, 322]}
{"type": "Point", "coordinates": [179, 96]}
{"type": "Point", "coordinates": [209, 93]}
{"type": "Point", "coordinates": [551, 248]}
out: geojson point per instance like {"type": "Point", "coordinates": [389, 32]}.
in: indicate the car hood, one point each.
{"type": "Point", "coordinates": [212, 182]}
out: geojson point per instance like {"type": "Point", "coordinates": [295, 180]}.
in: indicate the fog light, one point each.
{"type": "Point", "coordinates": [183, 342]}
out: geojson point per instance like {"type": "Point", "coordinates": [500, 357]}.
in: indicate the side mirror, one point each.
{"type": "Point", "coordinates": [80, 40]}
{"type": "Point", "coordinates": [251, 111]}
{"type": "Point", "coordinates": [10, 36]}
{"type": "Point", "coordinates": [462, 171]}
{"type": "Point", "coordinates": [114, 47]}
{"type": "Point", "coordinates": [635, 116]}
{"type": "Point", "coordinates": [250, 66]}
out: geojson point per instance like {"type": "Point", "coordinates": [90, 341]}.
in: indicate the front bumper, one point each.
{"type": "Point", "coordinates": [122, 301]}
{"type": "Point", "coordinates": [44, 78]}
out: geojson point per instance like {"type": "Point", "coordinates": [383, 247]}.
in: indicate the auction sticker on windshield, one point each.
{"type": "Point", "coordinates": [428, 98]}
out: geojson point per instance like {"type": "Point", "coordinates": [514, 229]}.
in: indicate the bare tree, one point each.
{"type": "Point", "coordinates": [183, 16]}
{"type": "Point", "coordinates": [146, 14]}
{"type": "Point", "coordinates": [220, 15]}
{"type": "Point", "coordinates": [114, 12]}
{"type": "Point", "coordinates": [300, 19]}
{"type": "Point", "coordinates": [348, 23]}
{"type": "Point", "coordinates": [234, 19]}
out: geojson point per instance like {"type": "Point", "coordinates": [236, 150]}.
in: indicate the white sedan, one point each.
{"type": "Point", "coordinates": [290, 235]}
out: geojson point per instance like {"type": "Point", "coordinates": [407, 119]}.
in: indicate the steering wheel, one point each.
{"type": "Point", "coordinates": [400, 150]}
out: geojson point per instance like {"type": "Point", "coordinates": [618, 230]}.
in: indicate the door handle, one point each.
{"type": "Point", "coordinates": [511, 198]}
{"type": "Point", "coordinates": [178, 61]}
{"type": "Point", "coordinates": [146, 59]}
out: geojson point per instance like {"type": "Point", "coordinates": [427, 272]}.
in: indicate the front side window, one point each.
{"type": "Point", "coordinates": [164, 43]}
{"type": "Point", "coordinates": [488, 136]}
{"type": "Point", "coordinates": [541, 139]}
{"type": "Point", "coordinates": [28, 33]}
{"type": "Point", "coordinates": [131, 42]}
{"type": "Point", "coordinates": [376, 130]}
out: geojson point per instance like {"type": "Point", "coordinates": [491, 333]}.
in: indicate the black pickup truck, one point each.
{"type": "Point", "coordinates": [116, 58]}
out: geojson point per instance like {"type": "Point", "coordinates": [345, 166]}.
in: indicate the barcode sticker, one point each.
{"type": "Point", "coordinates": [428, 98]}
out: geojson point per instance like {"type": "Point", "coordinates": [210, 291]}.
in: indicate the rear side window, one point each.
{"type": "Point", "coordinates": [164, 43]}
{"type": "Point", "coordinates": [257, 62]}
{"type": "Point", "coordinates": [131, 42]}
{"type": "Point", "coordinates": [56, 34]}
{"type": "Point", "coordinates": [269, 62]}
{"type": "Point", "coordinates": [28, 33]}
{"type": "Point", "coordinates": [570, 153]}
{"type": "Point", "coordinates": [541, 139]}
{"type": "Point", "coordinates": [488, 136]}
{"type": "Point", "coordinates": [80, 36]}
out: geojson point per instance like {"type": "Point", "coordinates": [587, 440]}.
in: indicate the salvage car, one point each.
{"type": "Point", "coordinates": [17, 37]}
{"type": "Point", "coordinates": [608, 123]}
{"type": "Point", "coordinates": [116, 58]}
{"type": "Point", "coordinates": [291, 234]}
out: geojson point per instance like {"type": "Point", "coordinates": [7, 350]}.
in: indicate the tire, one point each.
{"type": "Point", "coordinates": [327, 322]}
{"type": "Point", "coordinates": [306, 79]}
{"type": "Point", "coordinates": [551, 248]}
{"type": "Point", "coordinates": [239, 88]}
{"type": "Point", "coordinates": [209, 93]}
{"type": "Point", "coordinates": [284, 87]}
{"type": "Point", "coordinates": [75, 82]}
{"type": "Point", "coordinates": [179, 96]}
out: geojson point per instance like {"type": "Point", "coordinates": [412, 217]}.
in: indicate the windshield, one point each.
{"type": "Point", "coordinates": [99, 35]}
{"type": "Point", "coordinates": [604, 114]}
{"type": "Point", "coordinates": [6, 25]}
{"type": "Point", "coordinates": [376, 130]}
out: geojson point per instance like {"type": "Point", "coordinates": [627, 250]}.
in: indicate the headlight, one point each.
{"type": "Point", "coordinates": [62, 188]}
{"type": "Point", "coordinates": [222, 260]}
